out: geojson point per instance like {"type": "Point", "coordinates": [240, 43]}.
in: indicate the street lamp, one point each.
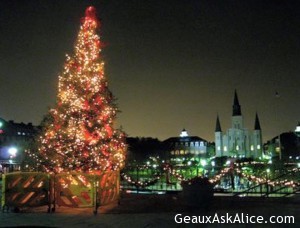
{"type": "Point", "coordinates": [267, 182]}
{"type": "Point", "coordinates": [203, 164]}
{"type": "Point", "coordinates": [213, 164]}
{"type": "Point", "coordinates": [12, 151]}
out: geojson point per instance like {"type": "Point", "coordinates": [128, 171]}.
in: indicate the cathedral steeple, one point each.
{"type": "Point", "coordinates": [236, 108]}
{"type": "Point", "coordinates": [218, 125]}
{"type": "Point", "coordinates": [257, 124]}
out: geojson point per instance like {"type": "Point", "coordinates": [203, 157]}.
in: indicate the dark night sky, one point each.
{"type": "Point", "coordinates": [172, 64]}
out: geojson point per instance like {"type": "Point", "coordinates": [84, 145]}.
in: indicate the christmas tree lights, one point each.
{"type": "Point", "coordinates": [81, 134]}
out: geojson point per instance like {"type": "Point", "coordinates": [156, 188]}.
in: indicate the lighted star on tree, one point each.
{"type": "Point", "coordinates": [81, 134]}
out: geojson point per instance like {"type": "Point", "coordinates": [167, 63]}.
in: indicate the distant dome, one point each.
{"type": "Point", "coordinates": [184, 133]}
{"type": "Point", "coordinates": [297, 130]}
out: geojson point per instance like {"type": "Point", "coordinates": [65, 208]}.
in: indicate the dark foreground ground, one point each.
{"type": "Point", "coordinates": [156, 211]}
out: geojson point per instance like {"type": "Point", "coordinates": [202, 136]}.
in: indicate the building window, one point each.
{"type": "Point", "coordinates": [219, 148]}
{"type": "Point", "coordinates": [258, 147]}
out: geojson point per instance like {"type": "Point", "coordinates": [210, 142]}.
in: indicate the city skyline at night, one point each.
{"type": "Point", "coordinates": [170, 64]}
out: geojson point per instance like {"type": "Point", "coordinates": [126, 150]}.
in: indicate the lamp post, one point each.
{"type": "Point", "coordinates": [277, 96]}
{"type": "Point", "coordinates": [203, 164]}
{"type": "Point", "coordinates": [137, 178]}
{"type": "Point", "coordinates": [12, 151]}
{"type": "Point", "coordinates": [213, 164]}
{"type": "Point", "coordinates": [267, 181]}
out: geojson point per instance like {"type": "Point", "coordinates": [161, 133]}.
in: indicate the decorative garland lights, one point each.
{"type": "Point", "coordinates": [218, 177]}
{"type": "Point", "coordinates": [175, 173]}
{"type": "Point", "coordinates": [234, 169]}
{"type": "Point", "coordinates": [138, 183]}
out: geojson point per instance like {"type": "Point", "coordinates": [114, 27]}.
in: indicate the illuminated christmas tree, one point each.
{"type": "Point", "coordinates": [80, 133]}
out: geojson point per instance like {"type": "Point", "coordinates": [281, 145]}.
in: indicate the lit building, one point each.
{"type": "Point", "coordinates": [285, 146]}
{"type": "Point", "coordinates": [14, 139]}
{"type": "Point", "coordinates": [238, 141]}
{"type": "Point", "coordinates": [186, 146]}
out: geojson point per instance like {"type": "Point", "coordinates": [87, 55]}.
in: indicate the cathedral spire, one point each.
{"type": "Point", "coordinates": [257, 124]}
{"type": "Point", "coordinates": [236, 108]}
{"type": "Point", "coordinates": [218, 125]}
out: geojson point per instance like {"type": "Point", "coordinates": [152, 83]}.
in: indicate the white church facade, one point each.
{"type": "Point", "coordinates": [238, 141]}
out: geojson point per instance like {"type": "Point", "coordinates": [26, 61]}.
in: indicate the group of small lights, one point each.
{"type": "Point", "coordinates": [259, 180]}
{"type": "Point", "coordinates": [159, 164]}
{"type": "Point", "coordinates": [218, 177]}
{"type": "Point", "coordinates": [237, 168]}
{"type": "Point", "coordinates": [139, 183]}
{"type": "Point", "coordinates": [250, 177]}
{"type": "Point", "coordinates": [175, 173]}
{"type": "Point", "coordinates": [249, 163]}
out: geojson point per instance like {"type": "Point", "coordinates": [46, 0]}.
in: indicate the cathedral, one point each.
{"type": "Point", "coordinates": [238, 141]}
